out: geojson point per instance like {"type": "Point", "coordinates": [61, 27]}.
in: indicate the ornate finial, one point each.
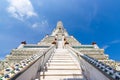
{"type": "Point", "coordinates": [54, 42]}
{"type": "Point", "coordinates": [24, 42]}
{"type": "Point", "coordinates": [47, 35]}
{"type": "Point", "coordinates": [66, 42]}
{"type": "Point", "coordinates": [93, 43]}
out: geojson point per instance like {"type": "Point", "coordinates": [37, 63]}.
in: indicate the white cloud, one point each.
{"type": "Point", "coordinates": [115, 42]}
{"type": "Point", "coordinates": [111, 43]}
{"type": "Point", "coordinates": [43, 24]}
{"type": "Point", "coordinates": [21, 9]}
{"type": "Point", "coordinates": [105, 46]}
{"type": "Point", "coordinates": [35, 25]}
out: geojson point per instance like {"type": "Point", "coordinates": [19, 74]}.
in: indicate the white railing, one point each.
{"type": "Point", "coordinates": [109, 72]}
{"type": "Point", "coordinates": [28, 69]}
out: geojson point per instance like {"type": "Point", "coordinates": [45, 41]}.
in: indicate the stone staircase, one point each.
{"type": "Point", "coordinates": [62, 66]}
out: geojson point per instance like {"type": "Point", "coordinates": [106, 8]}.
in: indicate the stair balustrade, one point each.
{"type": "Point", "coordinates": [109, 72]}
{"type": "Point", "coordinates": [28, 69]}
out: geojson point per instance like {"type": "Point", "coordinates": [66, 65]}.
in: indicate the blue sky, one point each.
{"type": "Point", "coordinates": [86, 20]}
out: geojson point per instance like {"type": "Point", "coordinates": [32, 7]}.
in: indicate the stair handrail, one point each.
{"type": "Point", "coordinates": [23, 65]}
{"type": "Point", "coordinates": [108, 71]}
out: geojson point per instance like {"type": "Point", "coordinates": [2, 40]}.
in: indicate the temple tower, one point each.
{"type": "Point", "coordinates": [58, 56]}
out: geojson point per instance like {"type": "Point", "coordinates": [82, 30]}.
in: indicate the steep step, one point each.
{"type": "Point", "coordinates": [63, 78]}
{"type": "Point", "coordinates": [62, 72]}
{"type": "Point", "coordinates": [62, 66]}
{"type": "Point", "coordinates": [61, 60]}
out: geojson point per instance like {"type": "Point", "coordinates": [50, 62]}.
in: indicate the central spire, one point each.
{"type": "Point", "coordinates": [59, 25]}
{"type": "Point", "coordinates": [59, 30]}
